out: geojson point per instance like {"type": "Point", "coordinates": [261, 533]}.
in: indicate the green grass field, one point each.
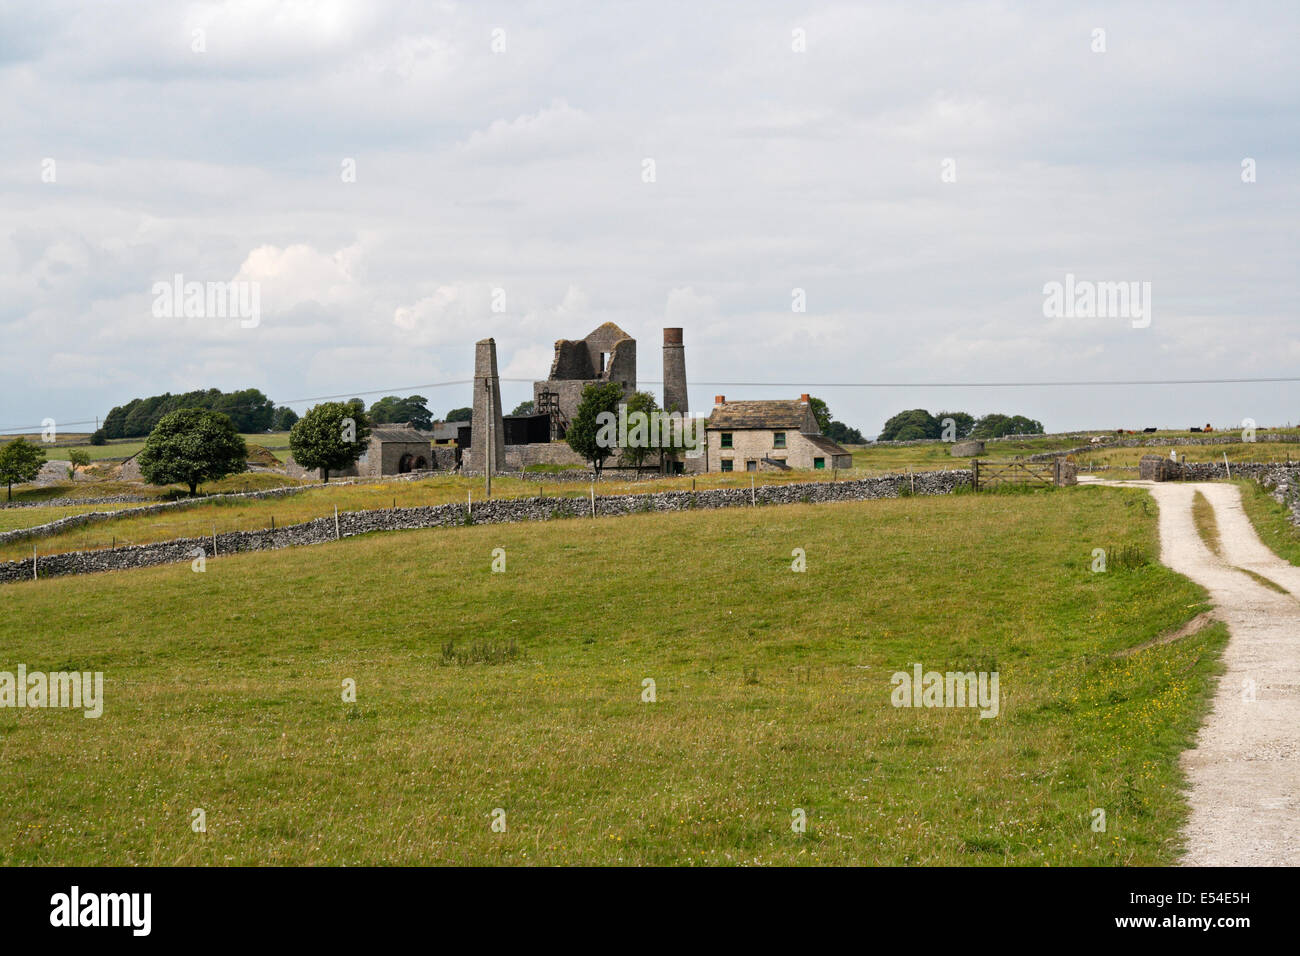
{"type": "Point", "coordinates": [277, 442]}
{"type": "Point", "coordinates": [223, 692]}
{"type": "Point", "coordinates": [319, 502]}
{"type": "Point", "coordinates": [937, 456]}
{"type": "Point", "coordinates": [1271, 521]}
{"type": "Point", "coordinates": [1236, 451]}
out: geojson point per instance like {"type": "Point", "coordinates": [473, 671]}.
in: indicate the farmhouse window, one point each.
{"type": "Point", "coordinates": [726, 439]}
{"type": "Point", "coordinates": [751, 465]}
{"type": "Point", "coordinates": [819, 462]}
{"type": "Point", "coordinates": [726, 464]}
{"type": "Point", "coordinates": [778, 440]}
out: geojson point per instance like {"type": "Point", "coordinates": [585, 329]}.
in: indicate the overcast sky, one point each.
{"type": "Point", "coordinates": [522, 169]}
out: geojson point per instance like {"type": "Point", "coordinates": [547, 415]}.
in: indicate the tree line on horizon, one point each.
{"type": "Point", "coordinates": [917, 423]}
{"type": "Point", "coordinates": [251, 412]}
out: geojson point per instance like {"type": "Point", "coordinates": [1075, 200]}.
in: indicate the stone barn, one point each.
{"type": "Point", "coordinates": [390, 450]}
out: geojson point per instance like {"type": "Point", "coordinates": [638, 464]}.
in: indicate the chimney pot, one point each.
{"type": "Point", "coordinates": [804, 398]}
{"type": "Point", "coordinates": [672, 336]}
{"type": "Point", "coordinates": [719, 399]}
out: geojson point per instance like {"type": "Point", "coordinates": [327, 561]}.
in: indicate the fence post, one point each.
{"type": "Point", "coordinates": [593, 499]}
{"type": "Point", "coordinates": [753, 498]}
{"type": "Point", "coordinates": [975, 474]}
{"type": "Point", "coordinates": [337, 536]}
{"type": "Point", "coordinates": [33, 562]}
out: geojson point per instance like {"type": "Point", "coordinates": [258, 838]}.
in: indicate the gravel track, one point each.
{"type": "Point", "coordinates": [1244, 772]}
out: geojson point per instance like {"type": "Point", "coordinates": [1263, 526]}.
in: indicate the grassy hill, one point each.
{"type": "Point", "coordinates": [522, 691]}
{"type": "Point", "coordinates": [276, 442]}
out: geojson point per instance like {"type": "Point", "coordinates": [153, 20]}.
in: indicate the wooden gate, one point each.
{"type": "Point", "coordinates": [986, 474]}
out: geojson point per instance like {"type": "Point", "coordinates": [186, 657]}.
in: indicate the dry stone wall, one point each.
{"type": "Point", "coordinates": [487, 512]}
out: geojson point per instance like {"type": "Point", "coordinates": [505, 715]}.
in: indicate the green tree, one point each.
{"type": "Point", "coordinates": [192, 445]}
{"type": "Point", "coordinates": [962, 424]}
{"type": "Point", "coordinates": [593, 433]}
{"type": "Point", "coordinates": [996, 425]}
{"type": "Point", "coordinates": [20, 461]}
{"type": "Point", "coordinates": [821, 413]}
{"type": "Point", "coordinates": [98, 437]}
{"type": "Point", "coordinates": [395, 410]}
{"type": "Point", "coordinates": [523, 408]}
{"type": "Point", "coordinates": [115, 420]}
{"type": "Point", "coordinates": [838, 431]}
{"type": "Point", "coordinates": [330, 436]}
{"type": "Point", "coordinates": [460, 415]}
{"type": "Point", "coordinates": [249, 409]}
{"type": "Point", "coordinates": [992, 425]}
{"type": "Point", "coordinates": [144, 415]}
{"type": "Point", "coordinates": [1020, 425]}
{"type": "Point", "coordinates": [910, 425]}
{"type": "Point", "coordinates": [77, 458]}
{"type": "Point", "coordinates": [640, 406]}
{"type": "Point", "coordinates": [284, 419]}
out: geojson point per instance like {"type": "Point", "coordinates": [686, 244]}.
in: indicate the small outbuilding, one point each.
{"type": "Point", "coordinates": [390, 450]}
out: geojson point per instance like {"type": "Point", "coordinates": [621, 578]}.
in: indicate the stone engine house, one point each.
{"type": "Point", "coordinates": [608, 354]}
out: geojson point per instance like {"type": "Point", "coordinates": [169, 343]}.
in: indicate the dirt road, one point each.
{"type": "Point", "coordinates": [1244, 772]}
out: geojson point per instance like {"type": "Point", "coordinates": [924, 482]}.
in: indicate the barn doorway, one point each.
{"type": "Point", "coordinates": [404, 463]}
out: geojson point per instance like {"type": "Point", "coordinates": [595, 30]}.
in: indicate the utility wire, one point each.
{"type": "Point", "coordinates": [409, 389]}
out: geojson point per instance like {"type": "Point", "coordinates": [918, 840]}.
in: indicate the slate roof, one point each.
{"type": "Point", "coordinates": [397, 433]}
{"type": "Point", "coordinates": [771, 413]}
{"type": "Point", "coordinates": [827, 445]}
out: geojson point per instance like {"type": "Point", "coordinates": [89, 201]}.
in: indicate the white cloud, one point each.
{"type": "Point", "coordinates": [521, 171]}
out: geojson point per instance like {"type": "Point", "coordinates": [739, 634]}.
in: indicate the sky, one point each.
{"type": "Point", "coordinates": [400, 180]}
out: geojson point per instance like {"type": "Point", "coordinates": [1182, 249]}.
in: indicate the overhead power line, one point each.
{"type": "Point", "coordinates": [1055, 383]}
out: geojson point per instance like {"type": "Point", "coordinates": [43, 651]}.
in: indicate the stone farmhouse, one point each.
{"type": "Point", "coordinates": [769, 435]}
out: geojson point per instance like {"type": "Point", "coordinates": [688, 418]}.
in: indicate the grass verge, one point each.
{"type": "Point", "coordinates": [523, 690]}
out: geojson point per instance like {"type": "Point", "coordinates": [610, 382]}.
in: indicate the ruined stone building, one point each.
{"type": "Point", "coordinates": [608, 354]}
{"type": "Point", "coordinates": [390, 450]}
{"type": "Point", "coordinates": [769, 435]}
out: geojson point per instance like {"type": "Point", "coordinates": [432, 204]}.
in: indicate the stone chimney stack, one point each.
{"type": "Point", "coordinates": [488, 431]}
{"type": "Point", "coordinates": [674, 372]}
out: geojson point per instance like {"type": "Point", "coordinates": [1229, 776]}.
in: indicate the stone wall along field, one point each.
{"type": "Point", "coordinates": [487, 512]}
